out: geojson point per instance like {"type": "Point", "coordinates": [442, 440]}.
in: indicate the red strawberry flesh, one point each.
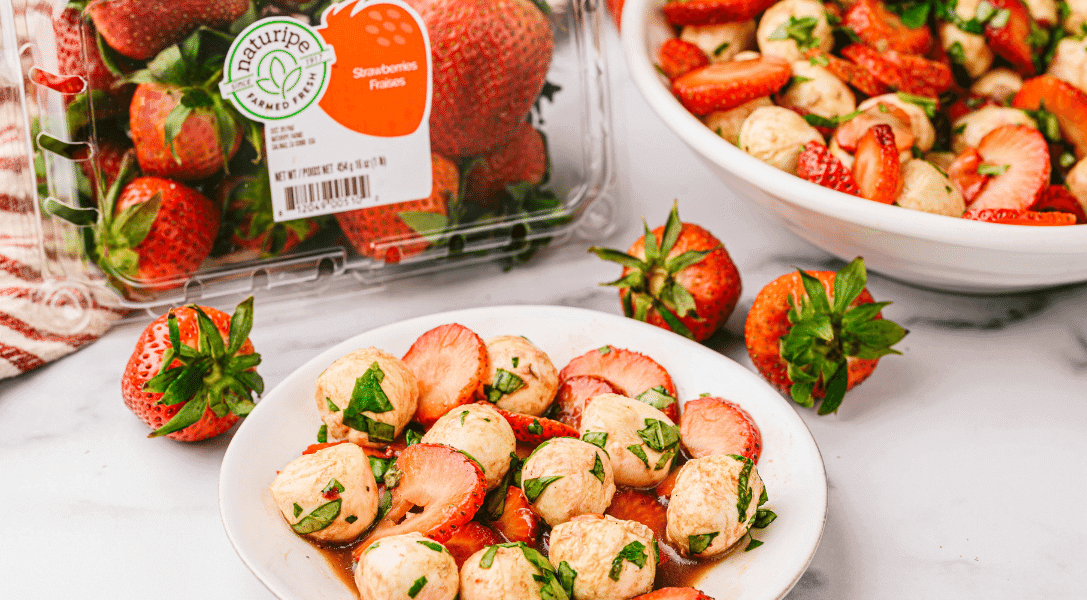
{"type": "Point", "coordinates": [631, 372]}
{"type": "Point", "coordinates": [574, 395]}
{"type": "Point", "coordinates": [1022, 153]}
{"type": "Point", "coordinates": [712, 426]}
{"type": "Point", "coordinates": [724, 86]}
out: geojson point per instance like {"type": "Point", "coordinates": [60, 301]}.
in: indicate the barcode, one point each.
{"type": "Point", "coordinates": [323, 191]}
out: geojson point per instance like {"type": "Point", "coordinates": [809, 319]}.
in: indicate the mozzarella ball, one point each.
{"type": "Point", "coordinates": [510, 576]}
{"type": "Point", "coordinates": [924, 134]}
{"type": "Point", "coordinates": [595, 546]}
{"type": "Point", "coordinates": [481, 432]}
{"type": "Point", "coordinates": [539, 380]}
{"type": "Point", "coordinates": [976, 58]}
{"type": "Point", "coordinates": [776, 135]}
{"type": "Point", "coordinates": [778, 15]}
{"type": "Point", "coordinates": [999, 84]}
{"type": "Point", "coordinates": [1043, 11]}
{"type": "Point", "coordinates": [407, 567]}
{"type": "Point", "coordinates": [1077, 16]}
{"type": "Point", "coordinates": [336, 386]}
{"type": "Point", "coordinates": [840, 153]}
{"type": "Point", "coordinates": [726, 123]}
{"type": "Point", "coordinates": [822, 94]}
{"type": "Point", "coordinates": [942, 160]}
{"type": "Point", "coordinates": [721, 42]}
{"type": "Point", "coordinates": [584, 484]}
{"type": "Point", "coordinates": [1070, 62]}
{"type": "Point", "coordinates": [971, 127]}
{"type": "Point", "coordinates": [305, 489]}
{"type": "Point", "coordinates": [1076, 180]}
{"type": "Point", "coordinates": [926, 189]}
{"type": "Point", "coordinates": [615, 421]}
{"type": "Point", "coordinates": [704, 510]}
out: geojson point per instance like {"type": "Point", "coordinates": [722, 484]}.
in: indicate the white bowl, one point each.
{"type": "Point", "coordinates": [924, 249]}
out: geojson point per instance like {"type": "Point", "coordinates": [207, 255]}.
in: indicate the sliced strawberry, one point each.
{"type": "Point", "coordinates": [518, 523]}
{"type": "Point", "coordinates": [1008, 37]}
{"type": "Point", "coordinates": [1067, 102]}
{"type": "Point", "coordinates": [849, 134]}
{"type": "Point", "coordinates": [717, 426]}
{"type": "Point", "coordinates": [964, 175]}
{"type": "Point", "coordinates": [849, 72]}
{"type": "Point", "coordinates": [678, 57]}
{"type": "Point", "coordinates": [1057, 198]}
{"type": "Point", "coordinates": [312, 448]}
{"type": "Point", "coordinates": [876, 167]}
{"type": "Point", "coordinates": [674, 593]}
{"type": "Point", "coordinates": [574, 395]}
{"type": "Point", "coordinates": [450, 362]}
{"type": "Point", "coordinates": [964, 106]}
{"type": "Point", "coordinates": [902, 72]}
{"type": "Point", "coordinates": [448, 486]}
{"type": "Point", "coordinates": [712, 12]}
{"type": "Point", "coordinates": [469, 539]}
{"type": "Point", "coordinates": [818, 165]}
{"type": "Point", "coordinates": [883, 30]}
{"type": "Point", "coordinates": [1011, 216]}
{"type": "Point", "coordinates": [640, 506]}
{"type": "Point", "coordinates": [723, 86]}
{"type": "Point", "coordinates": [636, 375]}
{"type": "Point", "coordinates": [536, 430]}
{"type": "Point", "coordinates": [665, 487]}
{"type": "Point", "coordinates": [1021, 153]}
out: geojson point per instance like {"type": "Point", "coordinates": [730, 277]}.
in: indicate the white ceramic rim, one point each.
{"type": "Point", "coordinates": [963, 232]}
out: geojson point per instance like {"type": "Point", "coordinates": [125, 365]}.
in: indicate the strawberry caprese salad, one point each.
{"type": "Point", "coordinates": [478, 468]}
{"type": "Point", "coordinates": [964, 108]}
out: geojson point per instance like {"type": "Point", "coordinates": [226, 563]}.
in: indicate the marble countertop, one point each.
{"type": "Point", "coordinates": [956, 471]}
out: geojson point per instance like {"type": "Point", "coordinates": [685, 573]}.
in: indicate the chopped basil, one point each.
{"type": "Point", "coordinates": [463, 414]}
{"type": "Point", "coordinates": [959, 129]}
{"type": "Point", "coordinates": [417, 587]}
{"type": "Point", "coordinates": [604, 349]}
{"type": "Point", "coordinates": [333, 485]}
{"type": "Point", "coordinates": [1067, 159]}
{"type": "Point", "coordinates": [633, 552]}
{"type": "Point", "coordinates": [763, 517]}
{"type": "Point", "coordinates": [994, 170]}
{"type": "Point", "coordinates": [1000, 19]}
{"type": "Point", "coordinates": [704, 395]}
{"type": "Point", "coordinates": [331, 405]}
{"type": "Point", "coordinates": [797, 80]}
{"type": "Point", "coordinates": [763, 497]}
{"type": "Point", "coordinates": [297, 510]}
{"type": "Point", "coordinates": [392, 477]}
{"type": "Point", "coordinates": [368, 395]}
{"type": "Point", "coordinates": [412, 435]}
{"type": "Point", "coordinates": [636, 450]}
{"type": "Point", "coordinates": [743, 487]}
{"type": "Point", "coordinates": [819, 60]}
{"type": "Point", "coordinates": [917, 152]}
{"type": "Point", "coordinates": [596, 438]}
{"type": "Point", "coordinates": [504, 383]}
{"type": "Point", "coordinates": [752, 545]}
{"type": "Point", "coordinates": [658, 435]}
{"type": "Point", "coordinates": [384, 506]}
{"type": "Point", "coordinates": [916, 16]}
{"type": "Point", "coordinates": [536, 486]}
{"type": "Point", "coordinates": [598, 468]}
{"type": "Point", "coordinates": [657, 397]}
{"type": "Point", "coordinates": [487, 559]}
{"type": "Point", "coordinates": [515, 360]}
{"type": "Point", "coordinates": [665, 459]}
{"type": "Point", "coordinates": [818, 121]}
{"type": "Point", "coordinates": [322, 434]}
{"type": "Point", "coordinates": [319, 518]}
{"type": "Point", "coordinates": [799, 30]}
{"type": "Point", "coordinates": [351, 519]}
{"type": "Point", "coordinates": [435, 546]}
{"type": "Point", "coordinates": [956, 53]}
{"type": "Point", "coordinates": [985, 11]}
{"type": "Point", "coordinates": [720, 48]}
{"type": "Point", "coordinates": [567, 575]}
{"type": "Point", "coordinates": [379, 466]}
{"type": "Point", "coordinates": [534, 427]}
{"type": "Point", "coordinates": [494, 504]}
{"type": "Point", "coordinates": [378, 431]}
{"type": "Point", "coordinates": [926, 103]}
{"type": "Point", "coordinates": [473, 459]}
{"type": "Point", "coordinates": [699, 543]}
{"type": "Point", "coordinates": [1047, 122]}
{"type": "Point", "coordinates": [656, 551]}
{"type": "Point", "coordinates": [372, 546]}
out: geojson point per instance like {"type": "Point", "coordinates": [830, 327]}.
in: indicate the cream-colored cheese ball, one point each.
{"type": "Point", "coordinates": [306, 488]}
{"type": "Point", "coordinates": [977, 57]}
{"type": "Point", "coordinates": [1000, 84]}
{"type": "Point", "coordinates": [776, 136]}
{"type": "Point", "coordinates": [407, 567]}
{"type": "Point", "coordinates": [1044, 11]}
{"type": "Point", "coordinates": [481, 432]}
{"type": "Point", "coordinates": [1070, 62]}
{"type": "Point", "coordinates": [704, 508]}
{"type": "Point", "coordinates": [924, 134]}
{"type": "Point", "coordinates": [1077, 16]}
{"type": "Point", "coordinates": [779, 14]}
{"type": "Point", "coordinates": [721, 42]}
{"type": "Point", "coordinates": [727, 123]}
{"type": "Point", "coordinates": [942, 160]}
{"type": "Point", "coordinates": [539, 379]}
{"type": "Point", "coordinates": [597, 547]}
{"type": "Point", "coordinates": [510, 576]}
{"type": "Point", "coordinates": [1077, 181]}
{"type": "Point", "coordinates": [840, 153]}
{"type": "Point", "coordinates": [336, 386]}
{"type": "Point", "coordinates": [585, 482]}
{"type": "Point", "coordinates": [816, 90]}
{"type": "Point", "coordinates": [614, 421]}
{"type": "Point", "coordinates": [926, 189]}
{"type": "Point", "coordinates": [968, 129]}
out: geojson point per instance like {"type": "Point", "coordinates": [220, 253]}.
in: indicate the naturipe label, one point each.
{"type": "Point", "coordinates": [345, 106]}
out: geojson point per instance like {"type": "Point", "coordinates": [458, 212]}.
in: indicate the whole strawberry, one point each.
{"type": "Point", "coordinates": [249, 221]}
{"type": "Point", "coordinates": [490, 59]}
{"type": "Point", "coordinates": [78, 54]}
{"type": "Point", "coordinates": [524, 158]}
{"type": "Point", "coordinates": [401, 226]}
{"type": "Point", "coordinates": [812, 345]}
{"type": "Point", "coordinates": [191, 375]}
{"type": "Point", "coordinates": [102, 167]}
{"type": "Point", "coordinates": [140, 28]}
{"type": "Point", "coordinates": [678, 277]}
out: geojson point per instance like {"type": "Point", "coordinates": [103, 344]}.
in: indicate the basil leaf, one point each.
{"type": "Point", "coordinates": [659, 435]}
{"type": "Point", "coordinates": [351, 519]}
{"type": "Point", "coordinates": [636, 450]}
{"type": "Point", "coordinates": [567, 575]}
{"type": "Point", "coordinates": [331, 405]}
{"type": "Point", "coordinates": [598, 468]}
{"type": "Point", "coordinates": [536, 486]}
{"type": "Point", "coordinates": [657, 397]}
{"type": "Point", "coordinates": [487, 559]}
{"type": "Point", "coordinates": [297, 510]}
{"type": "Point", "coordinates": [752, 545]}
{"type": "Point", "coordinates": [604, 350]}
{"type": "Point", "coordinates": [596, 438]}
{"type": "Point", "coordinates": [319, 518]}
{"type": "Point", "coordinates": [322, 434]}
{"type": "Point", "coordinates": [368, 395]}
{"type": "Point", "coordinates": [994, 170]}
{"type": "Point", "coordinates": [412, 435]}
{"type": "Point", "coordinates": [504, 383]}
{"type": "Point", "coordinates": [699, 543]}
{"type": "Point", "coordinates": [380, 466]}
{"type": "Point", "coordinates": [665, 459]}
{"type": "Point", "coordinates": [763, 517]}
{"type": "Point", "coordinates": [633, 552]}
{"type": "Point", "coordinates": [435, 546]}
{"type": "Point", "coordinates": [417, 587]}
{"type": "Point", "coordinates": [743, 486]}
{"type": "Point", "coordinates": [333, 486]}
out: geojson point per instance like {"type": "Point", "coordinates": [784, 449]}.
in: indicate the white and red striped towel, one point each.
{"type": "Point", "coordinates": [43, 315]}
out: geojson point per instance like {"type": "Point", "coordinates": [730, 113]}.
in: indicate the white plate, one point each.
{"type": "Point", "coordinates": [286, 421]}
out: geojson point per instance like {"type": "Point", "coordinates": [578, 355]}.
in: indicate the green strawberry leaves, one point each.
{"type": "Point", "coordinates": [826, 332]}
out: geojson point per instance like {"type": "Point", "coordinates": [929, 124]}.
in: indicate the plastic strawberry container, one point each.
{"type": "Point", "coordinates": [280, 147]}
